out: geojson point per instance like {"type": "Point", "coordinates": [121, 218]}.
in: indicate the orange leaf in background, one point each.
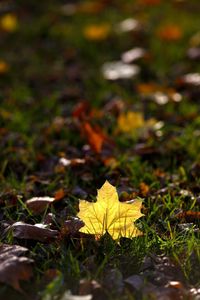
{"type": "Point", "coordinates": [95, 137]}
{"type": "Point", "coordinates": [59, 194]}
{"type": "Point", "coordinates": [144, 189]}
{"type": "Point", "coordinates": [189, 215]}
{"type": "Point", "coordinates": [152, 89]}
{"type": "Point", "coordinates": [149, 2]}
{"type": "Point", "coordinates": [90, 7]}
{"type": "Point", "coordinates": [159, 173]}
{"type": "Point", "coordinates": [110, 162]}
{"type": "Point", "coordinates": [97, 32]}
{"type": "Point", "coordinates": [96, 113]}
{"type": "Point", "coordinates": [9, 22]}
{"type": "Point", "coordinates": [147, 88]}
{"type": "Point", "coordinates": [4, 67]}
{"type": "Point", "coordinates": [170, 32]}
{"type": "Point", "coordinates": [81, 109]}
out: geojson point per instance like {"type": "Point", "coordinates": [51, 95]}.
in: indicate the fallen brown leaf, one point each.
{"type": "Point", "coordinates": [188, 215]}
{"type": "Point", "coordinates": [38, 204]}
{"type": "Point", "coordinates": [35, 232]}
{"type": "Point", "coordinates": [136, 282]}
{"type": "Point", "coordinates": [14, 266]}
{"type": "Point", "coordinates": [72, 226]}
{"type": "Point", "coordinates": [91, 287]}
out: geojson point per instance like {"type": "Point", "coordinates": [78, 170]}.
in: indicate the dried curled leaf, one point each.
{"type": "Point", "coordinates": [37, 232]}
{"type": "Point", "coordinates": [38, 204]}
{"type": "Point", "coordinates": [110, 215]}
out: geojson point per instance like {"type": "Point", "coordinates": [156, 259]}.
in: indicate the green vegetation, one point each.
{"type": "Point", "coordinates": [52, 68]}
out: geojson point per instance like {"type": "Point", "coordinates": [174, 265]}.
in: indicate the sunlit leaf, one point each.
{"type": "Point", "coordinates": [131, 121]}
{"type": "Point", "coordinates": [110, 215]}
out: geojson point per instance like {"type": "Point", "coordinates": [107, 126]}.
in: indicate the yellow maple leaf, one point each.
{"type": "Point", "coordinates": [110, 215]}
{"type": "Point", "coordinates": [131, 121]}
